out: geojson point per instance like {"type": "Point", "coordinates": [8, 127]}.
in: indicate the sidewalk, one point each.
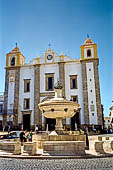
{"type": "Point", "coordinates": [39, 155]}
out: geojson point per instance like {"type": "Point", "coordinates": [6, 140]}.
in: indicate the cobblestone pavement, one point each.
{"type": "Point", "coordinates": [56, 164]}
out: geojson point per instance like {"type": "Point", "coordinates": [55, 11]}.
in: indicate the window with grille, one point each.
{"type": "Point", "coordinates": [49, 81]}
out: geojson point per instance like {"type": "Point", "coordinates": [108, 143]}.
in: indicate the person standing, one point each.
{"type": "Point", "coordinates": [36, 129]}
{"type": "Point", "coordinates": [26, 136]}
{"type": "Point", "coordinates": [22, 136]}
{"type": "Point", "coordinates": [9, 129]}
{"type": "Point", "coordinates": [30, 136]}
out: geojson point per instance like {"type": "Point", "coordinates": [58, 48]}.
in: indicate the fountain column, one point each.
{"type": "Point", "coordinates": [59, 126]}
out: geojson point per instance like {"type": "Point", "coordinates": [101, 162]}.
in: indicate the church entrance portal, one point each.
{"type": "Point", "coordinates": [51, 124]}
{"type": "Point", "coordinates": [26, 122]}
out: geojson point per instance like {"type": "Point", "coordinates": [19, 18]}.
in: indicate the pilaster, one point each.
{"type": "Point", "coordinates": [97, 91]}
{"type": "Point", "coordinates": [16, 95]}
{"type": "Point", "coordinates": [85, 92]}
{"type": "Point", "coordinates": [6, 97]}
{"type": "Point", "coordinates": [62, 80]}
{"type": "Point", "coordinates": [62, 76]}
{"type": "Point", "coordinates": [37, 113]}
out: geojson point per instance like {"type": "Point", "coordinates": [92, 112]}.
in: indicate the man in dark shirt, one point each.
{"type": "Point", "coordinates": [22, 136]}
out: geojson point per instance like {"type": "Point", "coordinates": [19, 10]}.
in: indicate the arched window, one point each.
{"type": "Point", "coordinates": [88, 53]}
{"type": "Point", "coordinates": [13, 61]}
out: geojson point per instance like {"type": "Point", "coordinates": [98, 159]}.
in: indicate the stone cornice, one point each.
{"type": "Point", "coordinates": [47, 94]}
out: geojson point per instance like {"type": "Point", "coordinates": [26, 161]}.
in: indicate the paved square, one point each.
{"type": "Point", "coordinates": [56, 164]}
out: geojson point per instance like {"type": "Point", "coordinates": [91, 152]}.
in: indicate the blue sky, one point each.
{"type": "Point", "coordinates": [33, 24]}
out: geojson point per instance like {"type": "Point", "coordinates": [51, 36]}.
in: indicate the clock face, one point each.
{"type": "Point", "coordinates": [49, 57]}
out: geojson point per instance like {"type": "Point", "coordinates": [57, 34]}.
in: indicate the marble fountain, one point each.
{"type": "Point", "coordinates": [60, 143]}
{"type": "Point", "coordinates": [58, 108]}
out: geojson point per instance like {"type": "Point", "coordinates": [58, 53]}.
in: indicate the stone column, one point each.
{"type": "Point", "coordinates": [37, 113]}
{"type": "Point", "coordinates": [97, 91]}
{"type": "Point", "coordinates": [85, 92]}
{"type": "Point", "coordinates": [62, 76]}
{"type": "Point", "coordinates": [6, 97]}
{"type": "Point", "coordinates": [59, 126]}
{"type": "Point", "coordinates": [62, 80]}
{"type": "Point", "coordinates": [16, 95]}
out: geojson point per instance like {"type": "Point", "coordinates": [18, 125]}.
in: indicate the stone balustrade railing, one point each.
{"type": "Point", "coordinates": [30, 148]}
{"type": "Point", "coordinates": [101, 144]}
{"type": "Point", "coordinates": [13, 147]}
{"type": "Point", "coordinates": [64, 148]}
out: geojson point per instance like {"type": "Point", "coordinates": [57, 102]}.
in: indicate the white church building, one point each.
{"type": "Point", "coordinates": [26, 85]}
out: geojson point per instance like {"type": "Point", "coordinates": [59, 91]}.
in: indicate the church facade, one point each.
{"type": "Point", "coordinates": [26, 85]}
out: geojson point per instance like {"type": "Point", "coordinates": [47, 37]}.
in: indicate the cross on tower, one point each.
{"type": "Point", "coordinates": [87, 35]}
{"type": "Point", "coordinates": [49, 45]}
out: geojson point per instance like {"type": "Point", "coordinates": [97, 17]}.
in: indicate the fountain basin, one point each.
{"type": "Point", "coordinates": [58, 108]}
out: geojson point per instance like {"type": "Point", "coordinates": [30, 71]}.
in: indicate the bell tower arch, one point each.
{"type": "Point", "coordinates": [14, 58]}
{"type": "Point", "coordinates": [88, 50]}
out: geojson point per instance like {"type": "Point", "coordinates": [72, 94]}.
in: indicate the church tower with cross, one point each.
{"type": "Point", "coordinates": [14, 61]}
{"type": "Point", "coordinates": [26, 85]}
{"type": "Point", "coordinates": [91, 87]}
{"type": "Point", "coordinates": [14, 58]}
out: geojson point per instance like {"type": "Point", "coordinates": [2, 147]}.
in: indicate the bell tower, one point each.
{"type": "Point", "coordinates": [14, 58]}
{"type": "Point", "coordinates": [88, 50]}
{"type": "Point", "coordinates": [14, 61]}
{"type": "Point", "coordinates": [91, 87]}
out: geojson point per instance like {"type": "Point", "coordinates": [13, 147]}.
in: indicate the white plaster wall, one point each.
{"type": "Point", "coordinates": [27, 73]}
{"type": "Point", "coordinates": [74, 69]}
{"type": "Point", "coordinates": [85, 52]}
{"type": "Point", "coordinates": [49, 68]}
{"type": "Point", "coordinates": [11, 87]}
{"type": "Point", "coordinates": [91, 95]}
